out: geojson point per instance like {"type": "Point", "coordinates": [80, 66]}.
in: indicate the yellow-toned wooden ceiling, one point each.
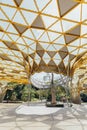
{"type": "Point", "coordinates": [41, 35]}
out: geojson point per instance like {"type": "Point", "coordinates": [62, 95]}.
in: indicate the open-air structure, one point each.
{"type": "Point", "coordinates": [48, 35]}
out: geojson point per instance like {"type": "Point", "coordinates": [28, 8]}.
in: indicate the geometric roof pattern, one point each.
{"type": "Point", "coordinates": [38, 35]}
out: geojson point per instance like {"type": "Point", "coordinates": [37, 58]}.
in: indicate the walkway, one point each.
{"type": "Point", "coordinates": [74, 118]}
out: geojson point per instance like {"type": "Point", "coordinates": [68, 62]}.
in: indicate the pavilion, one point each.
{"type": "Point", "coordinates": [49, 36]}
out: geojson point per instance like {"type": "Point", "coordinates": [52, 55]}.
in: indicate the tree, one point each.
{"type": "Point", "coordinates": [13, 96]}
{"type": "Point", "coordinates": [13, 91]}
{"type": "Point", "coordinates": [25, 93]}
{"type": "Point", "coordinates": [83, 97]}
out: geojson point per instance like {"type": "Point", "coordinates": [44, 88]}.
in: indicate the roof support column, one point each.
{"type": "Point", "coordinates": [75, 93]}
{"type": "Point", "coordinates": [3, 88]}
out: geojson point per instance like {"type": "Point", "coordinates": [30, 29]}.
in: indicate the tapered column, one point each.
{"type": "Point", "coordinates": [75, 94]}
{"type": "Point", "coordinates": [3, 89]}
{"type": "Point", "coordinates": [1, 96]}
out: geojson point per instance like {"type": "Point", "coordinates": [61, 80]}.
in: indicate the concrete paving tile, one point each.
{"type": "Point", "coordinates": [85, 127]}
{"type": "Point", "coordinates": [16, 128]}
{"type": "Point", "coordinates": [31, 124]}
{"type": "Point", "coordinates": [70, 127]}
{"type": "Point", "coordinates": [68, 122]}
{"type": "Point", "coordinates": [35, 128]}
{"type": "Point", "coordinates": [6, 128]}
{"type": "Point", "coordinates": [42, 118]}
{"type": "Point", "coordinates": [24, 123]}
{"type": "Point", "coordinates": [83, 121]}
{"type": "Point", "coordinates": [65, 119]}
{"type": "Point", "coordinates": [8, 124]}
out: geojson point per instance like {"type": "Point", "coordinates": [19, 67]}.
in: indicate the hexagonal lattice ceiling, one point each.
{"type": "Point", "coordinates": [40, 35]}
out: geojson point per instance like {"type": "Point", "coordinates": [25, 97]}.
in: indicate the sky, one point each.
{"type": "Point", "coordinates": [44, 76]}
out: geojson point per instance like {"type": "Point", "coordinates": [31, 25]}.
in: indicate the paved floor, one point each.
{"type": "Point", "coordinates": [36, 109]}
{"type": "Point", "coordinates": [74, 118]}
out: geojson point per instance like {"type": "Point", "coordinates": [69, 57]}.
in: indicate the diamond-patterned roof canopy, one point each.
{"type": "Point", "coordinates": [41, 35]}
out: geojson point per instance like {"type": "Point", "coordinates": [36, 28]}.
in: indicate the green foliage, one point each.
{"type": "Point", "coordinates": [12, 85]}
{"type": "Point", "coordinates": [22, 92]}
{"type": "Point", "coordinates": [25, 93]}
{"type": "Point", "coordinates": [42, 94]}
{"type": "Point", "coordinates": [8, 95]}
{"type": "Point", "coordinates": [13, 96]}
{"type": "Point", "coordinates": [18, 89]}
{"type": "Point", "coordinates": [60, 93]}
{"type": "Point", "coordinates": [83, 97]}
{"type": "Point", "coordinates": [14, 91]}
